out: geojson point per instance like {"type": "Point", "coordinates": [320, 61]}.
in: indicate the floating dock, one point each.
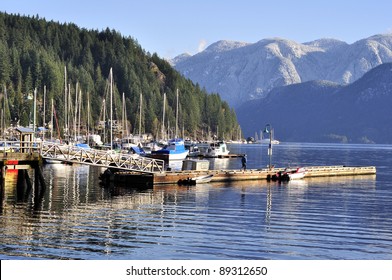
{"type": "Point", "coordinates": [172, 177]}
{"type": "Point", "coordinates": [223, 156]}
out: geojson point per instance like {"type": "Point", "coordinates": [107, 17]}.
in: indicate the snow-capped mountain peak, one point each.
{"type": "Point", "coordinates": [241, 71]}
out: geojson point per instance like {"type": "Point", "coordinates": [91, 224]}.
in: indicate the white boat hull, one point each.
{"type": "Point", "coordinates": [175, 150]}
{"type": "Point", "coordinates": [178, 156]}
{"type": "Point", "coordinates": [289, 174]}
{"type": "Point", "coordinates": [296, 176]}
{"type": "Point", "coordinates": [217, 150]}
{"type": "Point", "coordinates": [196, 180]}
{"type": "Point", "coordinates": [203, 179]}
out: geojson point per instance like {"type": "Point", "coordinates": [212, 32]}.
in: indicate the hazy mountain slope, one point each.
{"type": "Point", "coordinates": [320, 111]}
{"type": "Point", "coordinates": [362, 110]}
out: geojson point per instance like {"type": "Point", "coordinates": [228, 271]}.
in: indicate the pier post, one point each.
{"type": "Point", "coordinates": [39, 178]}
{"type": "Point", "coordinates": [3, 174]}
{"type": "Point", "coordinates": [23, 185]}
{"type": "Point", "coordinates": [39, 188]}
{"type": "Point", "coordinates": [268, 129]}
{"type": "Point", "coordinates": [3, 170]}
{"type": "Point", "coordinates": [26, 178]}
{"type": "Point", "coordinates": [270, 151]}
{"type": "Point", "coordinates": [2, 195]}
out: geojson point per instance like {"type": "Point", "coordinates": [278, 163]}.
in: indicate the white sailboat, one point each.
{"type": "Point", "coordinates": [175, 149]}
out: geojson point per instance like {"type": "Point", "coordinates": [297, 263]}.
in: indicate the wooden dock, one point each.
{"type": "Point", "coordinates": [172, 177]}
{"type": "Point", "coordinates": [223, 156]}
{"type": "Point", "coordinates": [21, 162]}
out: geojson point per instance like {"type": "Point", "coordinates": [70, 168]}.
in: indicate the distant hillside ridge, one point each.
{"type": "Point", "coordinates": [323, 111]}
{"type": "Point", "coordinates": [241, 71]}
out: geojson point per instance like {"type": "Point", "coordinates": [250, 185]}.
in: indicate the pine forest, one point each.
{"type": "Point", "coordinates": [44, 62]}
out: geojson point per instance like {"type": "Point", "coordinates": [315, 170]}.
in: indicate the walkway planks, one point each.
{"type": "Point", "coordinates": [237, 175]}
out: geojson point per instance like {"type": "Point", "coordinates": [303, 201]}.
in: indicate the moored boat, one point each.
{"type": "Point", "coordinates": [174, 150]}
{"type": "Point", "coordinates": [196, 180]}
{"type": "Point", "coordinates": [267, 141]}
{"type": "Point", "coordinates": [193, 149]}
{"type": "Point", "coordinates": [289, 174]}
{"type": "Point", "coordinates": [217, 149]}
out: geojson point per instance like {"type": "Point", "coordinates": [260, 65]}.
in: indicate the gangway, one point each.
{"type": "Point", "coordinates": [109, 158]}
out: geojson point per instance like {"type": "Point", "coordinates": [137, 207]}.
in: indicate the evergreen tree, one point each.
{"type": "Point", "coordinates": [34, 52]}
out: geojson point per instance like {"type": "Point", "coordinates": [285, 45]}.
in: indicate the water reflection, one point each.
{"type": "Point", "coordinates": [73, 186]}
{"type": "Point", "coordinates": [314, 218]}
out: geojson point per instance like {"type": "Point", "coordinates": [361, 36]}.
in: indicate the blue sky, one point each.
{"type": "Point", "coordinates": [172, 27]}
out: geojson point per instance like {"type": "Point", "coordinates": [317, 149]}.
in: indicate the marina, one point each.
{"type": "Point", "coordinates": [130, 169]}
{"type": "Point", "coordinates": [331, 217]}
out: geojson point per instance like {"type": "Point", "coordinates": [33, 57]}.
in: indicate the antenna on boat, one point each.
{"type": "Point", "coordinates": [268, 129]}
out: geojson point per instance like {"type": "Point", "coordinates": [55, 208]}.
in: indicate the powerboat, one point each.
{"type": "Point", "coordinates": [217, 149]}
{"type": "Point", "coordinates": [193, 149]}
{"type": "Point", "coordinates": [174, 150]}
{"type": "Point", "coordinates": [289, 174]}
{"type": "Point", "coordinates": [196, 180]}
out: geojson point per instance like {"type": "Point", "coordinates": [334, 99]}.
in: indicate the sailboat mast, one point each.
{"type": "Point", "coordinates": [104, 121]}
{"type": "Point", "coordinates": [76, 111]}
{"type": "Point", "coordinates": [80, 110]}
{"type": "Point", "coordinates": [140, 116]}
{"type": "Point", "coordinates": [88, 118]}
{"type": "Point", "coordinates": [2, 120]}
{"type": "Point", "coordinates": [34, 111]}
{"type": "Point", "coordinates": [43, 117]}
{"type": "Point", "coordinates": [69, 116]}
{"type": "Point", "coordinates": [111, 108]}
{"type": "Point", "coordinates": [65, 101]}
{"type": "Point", "coordinates": [3, 112]}
{"type": "Point", "coordinates": [124, 117]}
{"type": "Point", "coordinates": [163, 117]}
{"type": "Point", "coordinates": [177, 117]}
{"type": "Point", "coordinates": [51, 123]}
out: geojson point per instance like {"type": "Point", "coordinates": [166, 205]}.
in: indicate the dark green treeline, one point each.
{"type": "Point", "coordinates": [34, 54]}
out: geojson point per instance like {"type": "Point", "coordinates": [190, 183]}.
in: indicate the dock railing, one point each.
{"type": "Point", "coordinates": [74, 154]}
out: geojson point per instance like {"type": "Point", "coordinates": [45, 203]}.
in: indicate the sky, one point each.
{"type": "Point", "coordinates": [173, 27]}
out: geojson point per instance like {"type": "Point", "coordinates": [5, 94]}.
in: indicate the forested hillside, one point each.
{"type": "Point", "coordinates": [322, 111]}
{"type": "Point", "coordinates": [34, 54]}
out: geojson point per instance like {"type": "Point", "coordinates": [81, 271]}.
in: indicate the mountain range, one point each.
{"type": "Point", "coordinates": [323, 111]}
{"type": "Point", "coordinates": [321, 91]}
{"type": "Point", "coordinates": [242, 71]}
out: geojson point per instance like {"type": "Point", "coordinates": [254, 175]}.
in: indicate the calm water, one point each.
{"type": "Point", "coordinates": [330, 218]}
